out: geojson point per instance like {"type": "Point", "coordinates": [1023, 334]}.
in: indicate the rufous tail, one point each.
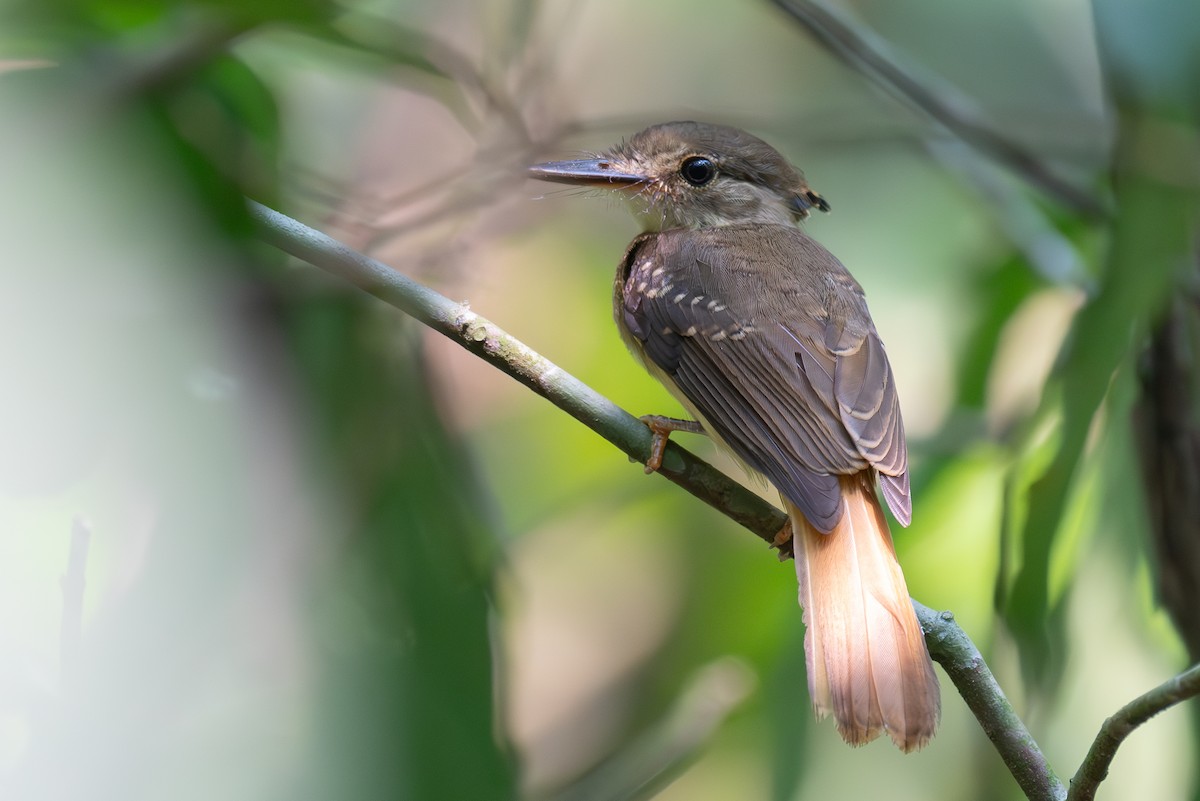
{"type": "Point", "coordinates": [867, 661]}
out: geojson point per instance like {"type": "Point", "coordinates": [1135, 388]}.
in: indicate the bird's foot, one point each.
{"type": "Point", "coordinates": [661, 427]}
{"type": "Point", "coordinates": [783, 542]}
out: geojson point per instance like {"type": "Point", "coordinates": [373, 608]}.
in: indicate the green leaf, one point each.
{"type": "Point", "coordinates": [789, 717]}
{"type": "Point", "coordinates": [1152, 241]}
{"type": "Point", "coordinates": [407, 707]}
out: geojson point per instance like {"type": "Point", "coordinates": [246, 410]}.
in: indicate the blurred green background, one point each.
{"type": "Point", "coordinates": [330, 555]}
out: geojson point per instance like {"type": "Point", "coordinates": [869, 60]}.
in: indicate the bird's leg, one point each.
{"type": "Point", "coordinates": [661, 427]}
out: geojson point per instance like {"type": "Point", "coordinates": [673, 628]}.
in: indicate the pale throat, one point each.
{"type": "Point", "coordinates": [731, 203]}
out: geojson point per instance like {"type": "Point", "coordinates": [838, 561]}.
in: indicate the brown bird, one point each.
{"type": "Point", "coordinates": [765, 338]}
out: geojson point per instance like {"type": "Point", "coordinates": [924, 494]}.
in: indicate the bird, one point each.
{"type": "Point", "coordinates": [765, 339]}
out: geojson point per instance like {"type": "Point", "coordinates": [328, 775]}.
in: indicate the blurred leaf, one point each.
{"type": "Point", "coordinates": [226, 126]}
{"type": "Point", "coordinates": [1151, 51]}
{"type": "Point", "coordinates": [32, 29]}
{"type": "Point", "coordinates": [1152, 240]}
{"type": "Point", "coordinates": [120, 16]}
{"type": "Point", "coordinates": [407, 705]}
{"type": "Point", "coordinates": [999, 293]}
{"type": "Point", "coordinates": [247, 103]}
{"type": "Point", "coordinates": [788, 711]}
{"type": "Point", "coordinates": [123, 334]}
{"type": "Point", "coordinates": [1037, 444]}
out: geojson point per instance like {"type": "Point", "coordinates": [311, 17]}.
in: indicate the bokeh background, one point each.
{"type": "Point", "coordinates": [261, 536]}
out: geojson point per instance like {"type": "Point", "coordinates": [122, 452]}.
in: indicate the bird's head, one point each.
{"type": "Point", "coordinates": [695, 175]}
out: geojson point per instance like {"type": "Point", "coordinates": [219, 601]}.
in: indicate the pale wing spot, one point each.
{"type": "Point", "coordinates": [690, 332]}
{"type": "Point", "coordinates": [642, 286]}
{"type": "Point", "coordinates": [679, 297]}
{"type": "Point", "coordinates": [717, 337]}
{"type": "Point", "coordinates": [652, 293]}
{"type": "Point", "coordinates": [738, 336]}
{"type": "Point", "coordinates": [657, 271]}
{"type": "Point", "coordinates": [697, 299]}
{"type": "Point", "coordinates": [720, 307]}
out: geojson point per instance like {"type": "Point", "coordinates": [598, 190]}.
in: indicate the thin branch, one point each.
{"type": "Point", "coordinates": [403, 45]}
{"type": "Point", "coordinates": [1094, 768]}
{"type": "Point", "coordinates": [947, 642]}
{"type": "Point", "coordinates": [958, 656]}
{"type": "Point", "coordinates": [861, 49]}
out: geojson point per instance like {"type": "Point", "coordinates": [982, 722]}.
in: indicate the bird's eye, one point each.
{"type": "Point", "coordinates": [698, 170]}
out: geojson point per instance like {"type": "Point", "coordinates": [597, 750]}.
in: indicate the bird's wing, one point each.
{"type": "Point", "coordinates": [797, 394]}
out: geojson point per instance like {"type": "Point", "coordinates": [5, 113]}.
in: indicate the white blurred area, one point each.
{"type": "Point", "coordinates": [139, 409]}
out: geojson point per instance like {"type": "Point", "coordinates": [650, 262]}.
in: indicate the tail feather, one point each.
{"type": "Point", "coordinates": [867, 661]}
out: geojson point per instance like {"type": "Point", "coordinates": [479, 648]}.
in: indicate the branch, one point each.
{"type": "Point", "coordinates": [1094, 768]}
{"type": "Point", "coordinates": [947, 642]}
{"type": "Point", "coordinates": [861, 49]}
{"type": "Point", "coordinates": [958, 656]}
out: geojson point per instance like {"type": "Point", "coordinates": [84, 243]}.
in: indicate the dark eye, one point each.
{"type": "Point", "coordinates": [698, 170]}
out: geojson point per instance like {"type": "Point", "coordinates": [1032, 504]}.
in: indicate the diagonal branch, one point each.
{"type": "Point", "coordinates": [1094, 768]}
{"type": "Point", "coordinates": [862, 50]}
{"type": "Point", "coordinates": [963, 663]}
{"type": "Point", "coordinates": [947, 642]}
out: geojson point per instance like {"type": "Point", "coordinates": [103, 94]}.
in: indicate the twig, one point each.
{"type": "Point", "coordinates": [72, 584]}
{"type": "Point", "coordinates": [863, 50]}
{"type": "Point", "coordinates": [958, 656]}
{"type": "Point", "coordinates": [1094, 768]}
{"type": "Point", "coordinates": [947, 642]}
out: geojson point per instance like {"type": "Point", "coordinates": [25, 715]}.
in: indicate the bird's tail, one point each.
{"type": "Point", "coordinates": [867, 661]}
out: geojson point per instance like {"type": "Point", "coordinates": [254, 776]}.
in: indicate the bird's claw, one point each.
{"type": "Point", "coordinates": [661, 427]}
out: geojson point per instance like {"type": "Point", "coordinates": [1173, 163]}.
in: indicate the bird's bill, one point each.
{"type": "Point", "coordinates": [585, 172]}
